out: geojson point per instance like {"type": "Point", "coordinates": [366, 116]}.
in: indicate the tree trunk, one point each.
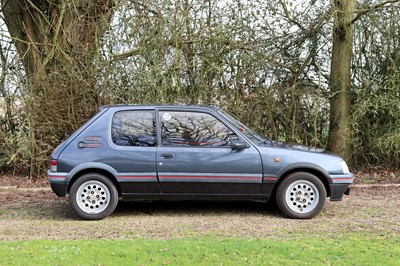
{"type": "Point", "coordinates": [340, 137]}
{"type": "Point", "coordinates": [57, 43]}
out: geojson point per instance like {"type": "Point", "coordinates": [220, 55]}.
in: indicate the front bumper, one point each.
{"type": "Point", "coordinates": [338, 190]}
{"type": "Point", "coordinates": [340, 186]}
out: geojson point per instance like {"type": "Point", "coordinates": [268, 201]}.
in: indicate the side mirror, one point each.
{"type": "Point", "coordinates": [238, 145]}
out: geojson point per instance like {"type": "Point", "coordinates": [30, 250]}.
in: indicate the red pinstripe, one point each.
{"type": "Point", "coordinates": [209, 177]}
{"type": "Point", "coordinates": [138, 176]}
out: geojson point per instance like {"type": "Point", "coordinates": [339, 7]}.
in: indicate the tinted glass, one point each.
{"type": "Point", "coordinates": [193, 129]}
{"type": "Point", "coordinates": [134, 128]}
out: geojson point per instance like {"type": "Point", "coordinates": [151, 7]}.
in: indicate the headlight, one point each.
{"type": "Point", "coordinates": [345, 168]}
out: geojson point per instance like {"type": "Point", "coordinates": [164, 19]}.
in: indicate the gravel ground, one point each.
{"type": "Point", "coordinates": [42, 215]}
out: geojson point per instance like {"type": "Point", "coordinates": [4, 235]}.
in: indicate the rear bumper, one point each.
{"type": "Point", "coordinates": [60, 189]}
{"type": "Point", "coordinates": [58, 183]}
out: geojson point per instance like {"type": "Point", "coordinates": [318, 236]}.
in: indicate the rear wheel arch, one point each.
{"type": "Point", "coordinates": [93, 196]}
{"type": "Point", "coordinates": [106, 173]}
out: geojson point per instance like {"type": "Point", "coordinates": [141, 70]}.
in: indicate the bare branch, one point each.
{"type": "Point", "coordinates": [125, 55]}
{"type": "Point", "coordinates": [146, 7]}
{"type": "Point", "coordinates": [289, 16]}
{"type": "Point", "coordinates": [372, 9]}
{"type": "Point", "coordinates": [3, 5]}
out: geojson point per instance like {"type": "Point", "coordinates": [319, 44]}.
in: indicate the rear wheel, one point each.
{"type": "Point", "coordinates": [301, 196]}
{"type": "Point", "coordinates": [93, 196]}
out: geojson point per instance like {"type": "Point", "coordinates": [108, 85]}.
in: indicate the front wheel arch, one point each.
{"type": "Point", "coordinates": [301, 195]}
{"type": "Point", "coordinates": [312, 171]}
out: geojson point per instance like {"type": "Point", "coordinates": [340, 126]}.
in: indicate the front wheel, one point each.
{"type": "Point", "coordinates": [301, 195]}
{"type": "Point", "coordinates": [93, 196]}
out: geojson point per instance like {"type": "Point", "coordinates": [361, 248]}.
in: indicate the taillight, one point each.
{"type": "Point", "coordinates": [53, 165]}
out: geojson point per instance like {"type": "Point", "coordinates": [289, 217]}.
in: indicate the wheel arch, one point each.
{"type": "Point", "coordinates": [321, 174]}
{"type": "Point", "coordinates": [109, 173]}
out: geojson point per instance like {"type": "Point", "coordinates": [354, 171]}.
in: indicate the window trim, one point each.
{"type": "Point", "coordinates": [215, 116]}
{"type": "Point", "coordinates": [153, 111]}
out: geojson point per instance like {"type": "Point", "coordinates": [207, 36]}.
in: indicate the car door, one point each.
{"type": "Point", "coordinates": [195, 156]}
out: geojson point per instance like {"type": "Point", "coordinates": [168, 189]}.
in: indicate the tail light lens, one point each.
{"type": "Point", "coordinates": [53, 165]}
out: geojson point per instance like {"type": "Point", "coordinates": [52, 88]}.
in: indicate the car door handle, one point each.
{"type": "Point", "coordinates": [167, 155]}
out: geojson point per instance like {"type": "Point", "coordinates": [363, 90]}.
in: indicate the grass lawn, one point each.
{"type": "Point", "coordinates": [355, 249]}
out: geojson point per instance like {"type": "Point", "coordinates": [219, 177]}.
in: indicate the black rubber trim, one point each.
{"type": "Point", "coordinates": [200, 197]}
{"type": "Point", "coordinates": [60, 189]}
{"type": "Point", "coordinates": [337, 191]}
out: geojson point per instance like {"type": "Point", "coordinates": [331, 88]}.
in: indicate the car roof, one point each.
{"type": "Point", "coordinates": [139, 106]}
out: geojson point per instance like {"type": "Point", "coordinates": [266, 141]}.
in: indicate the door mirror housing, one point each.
{"type": "Point", "coordinates": [238, 145]}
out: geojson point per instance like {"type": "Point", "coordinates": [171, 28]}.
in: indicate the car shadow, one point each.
{"type": "Point", "coordinates": [57, 209]}
{"type": "Point", "coordinates": [176, 208]}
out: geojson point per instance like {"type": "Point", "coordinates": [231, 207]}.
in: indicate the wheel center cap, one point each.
{"type": "Point", "coordinates": [303, 196]}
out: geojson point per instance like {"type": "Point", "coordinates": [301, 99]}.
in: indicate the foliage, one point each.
{"type": "Point", "coordinates": [376, 92]}
{"type": "Point", "coordinates": [355, 249]}
{"type": "Point", "coordinates": [56, 45]}
{"type": "Point", "coordinates": [267, 62]}
{"type": "Point", "coordinates": [240, 56]}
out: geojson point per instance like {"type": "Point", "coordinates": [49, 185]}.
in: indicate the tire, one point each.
{"type": "Point", "coordinates": [93, 196]}
{"type": "Point", "coordinates": [301, 195]}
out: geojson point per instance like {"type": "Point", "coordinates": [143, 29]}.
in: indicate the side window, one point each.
{"type": "Point", "coordinates": [193, 129]}
{"type": "Point", "coordinates": [134, 128]}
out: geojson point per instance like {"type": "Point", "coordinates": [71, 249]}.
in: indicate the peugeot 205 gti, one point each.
{"type": "Point", "coordinates": [188, 153]}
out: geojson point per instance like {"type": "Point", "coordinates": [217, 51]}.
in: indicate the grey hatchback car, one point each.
{"type": "Point", "coordinates": [188, 153]}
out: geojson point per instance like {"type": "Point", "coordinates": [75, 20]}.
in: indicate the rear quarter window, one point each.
{"type": "Point", "coordinates": [134, 128]}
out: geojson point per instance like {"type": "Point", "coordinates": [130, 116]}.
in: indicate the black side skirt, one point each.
{"type": "Point", "coordinates": [183, 196]}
